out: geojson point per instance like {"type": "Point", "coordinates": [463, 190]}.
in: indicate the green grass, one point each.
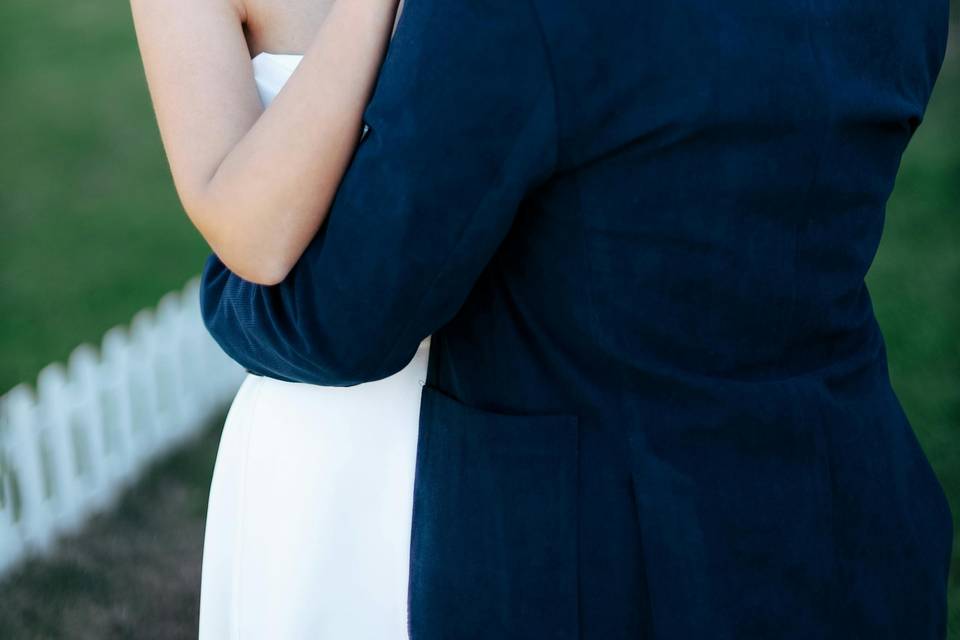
{"type": "Point", "coordinates": [93, 231]}
{"type": "Point", "coordinates": [92, 228]}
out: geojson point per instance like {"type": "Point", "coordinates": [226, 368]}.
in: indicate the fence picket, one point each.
{"type": "Point", "coordinates": [95, 425]}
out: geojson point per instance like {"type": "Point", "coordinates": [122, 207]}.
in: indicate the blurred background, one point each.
{"type": "Point", "coordinates": [92, 232]}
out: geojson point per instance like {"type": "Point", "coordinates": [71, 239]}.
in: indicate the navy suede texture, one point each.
{"type": "Point", "coordinates": [658, 403]}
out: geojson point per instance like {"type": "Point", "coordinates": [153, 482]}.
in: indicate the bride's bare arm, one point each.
{"type": "Point", "coordinates": [258, 183]}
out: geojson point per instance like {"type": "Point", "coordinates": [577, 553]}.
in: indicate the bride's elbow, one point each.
{"type": "Point", "coordinates": [251, 256]}
{"type": "Point", "coordinates": [262, 272]}
{"type": "Point", "coordinates": [257, 265]}
{"type": "Point", "coordinates": [256, 271]}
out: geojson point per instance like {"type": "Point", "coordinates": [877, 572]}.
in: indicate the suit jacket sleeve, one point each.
{"type": "Point", "coordinates": [462, 125]}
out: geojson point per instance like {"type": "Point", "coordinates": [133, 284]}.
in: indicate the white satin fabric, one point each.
{"type": "Point", "coordinates": [308, 521]}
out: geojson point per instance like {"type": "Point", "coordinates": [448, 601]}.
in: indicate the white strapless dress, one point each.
{"type": "Point", "coordinates": [308, 520]}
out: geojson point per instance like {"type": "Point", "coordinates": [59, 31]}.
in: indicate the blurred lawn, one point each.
{"type": "Point", "coordinates": [92, 229]}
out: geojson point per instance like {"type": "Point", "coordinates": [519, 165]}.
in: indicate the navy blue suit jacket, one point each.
{"type": "Point", "coordinates": [658, 403]}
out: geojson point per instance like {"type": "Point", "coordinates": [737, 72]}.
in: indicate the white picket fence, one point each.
{"type": "Point", "coordinates": [92, 427]}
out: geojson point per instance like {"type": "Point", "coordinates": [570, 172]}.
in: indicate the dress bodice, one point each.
{"type": "Point", "coordinates": [271, 71]}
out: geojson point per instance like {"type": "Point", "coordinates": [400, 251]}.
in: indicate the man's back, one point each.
{"type": "Point", "coordinates": [688, 287]}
